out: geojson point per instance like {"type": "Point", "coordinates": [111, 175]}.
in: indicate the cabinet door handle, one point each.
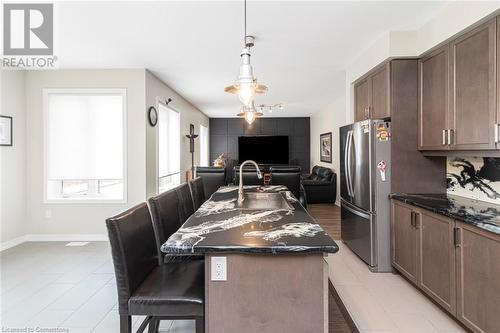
{"type": "Point", "coordinates": [444, 137]}
{"type": "Point", "coordinates": [412, 219]}
{"type": "Point", "coordinates": [415, 217]}
{"type": "Point", "coordinates": [497, 138]}
{"type": "Point", "coordinates": [451, 136]}
{"type": "Point", "coordinates": [369, 112]}
{"type": "Point", "coordinates": [457, 239]}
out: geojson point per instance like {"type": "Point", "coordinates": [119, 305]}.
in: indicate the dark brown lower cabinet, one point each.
{"type": "Point", "coordinates": [437, 258]}
{"type": "Point", "coordinates": [478, 278]}
{"type": "Point", "coordinates": [454, 263]}
{"type": "Point", "coordinates": [404, 241]}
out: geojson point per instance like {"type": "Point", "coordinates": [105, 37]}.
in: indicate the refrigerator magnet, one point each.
{"type": "Point", "coordinates": [382, 166]}
{"type": "Point", "coordinates": [383, 133]}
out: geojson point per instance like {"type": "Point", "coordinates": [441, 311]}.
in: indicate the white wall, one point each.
{"type": "Point", "coordinates": [450, 21]}
{"type": "Point", "coordinates": [82, 219]}
{"type": "Point", "coordinates": [155, 90]}
{"type": "Point", "coordinates": [13, 161]}
{"type": "Point", "coordinates": [25, 212]}
{"type": "Point", "coordinates": [329, 120]}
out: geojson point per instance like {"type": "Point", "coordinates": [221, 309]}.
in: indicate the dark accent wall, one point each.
{"type": "Point", "coordinates": [224, 133]}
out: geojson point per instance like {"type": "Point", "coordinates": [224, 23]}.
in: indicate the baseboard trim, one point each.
{"type": "Point", "coordinates": [53, 238]}
{"type": "Point", "coordinates": [66, 237]}
{"type": "Point", "coordinates": [11, 243]}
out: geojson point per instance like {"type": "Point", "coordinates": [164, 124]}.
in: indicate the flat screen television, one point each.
{"type": "Point", "coordinates": [265, 149]}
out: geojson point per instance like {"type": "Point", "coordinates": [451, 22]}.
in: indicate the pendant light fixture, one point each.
{"type": "Point", "coordinates": [246, 85]}
{"type": "Point", "coordinates": [249, 113]}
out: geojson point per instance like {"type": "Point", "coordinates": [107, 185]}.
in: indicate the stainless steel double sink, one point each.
{"type": "Point", "coordinates": [265, 201]}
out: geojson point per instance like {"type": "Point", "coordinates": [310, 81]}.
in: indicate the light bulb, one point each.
{"type": "Point", "coordinates": [249, 117]}
{"type": "Point", "coordinates": [246, 93]}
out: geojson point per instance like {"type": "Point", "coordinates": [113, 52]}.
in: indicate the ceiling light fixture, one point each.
{"type": "Point", "coordinates": [270, 107]}
{"type": "Point", "coordinates": [249, 113]}
{"type": "Point", "coordinates": [246, 85]}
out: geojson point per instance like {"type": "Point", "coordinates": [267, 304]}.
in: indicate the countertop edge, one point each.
{"type": "Point", "coordinates": [404, 198]}
{"type": "Point", "coordinates": [251, 250]}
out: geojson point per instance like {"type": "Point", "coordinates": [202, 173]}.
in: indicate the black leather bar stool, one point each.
{"type": "Point", "coordinates": [289, 177]}
{"type": "Point", "coordinates": [160, 292]}
{"type": "Point", "coordinates": [166, 218]}
{"type": "Point", "coordinates": [213, 178]}
{"type": "Point", "coordinates": [166, 213]}
{"type": "Point", "coordinates": [197, 192]}
{"type": "Point", "coordinates": [186, 208]}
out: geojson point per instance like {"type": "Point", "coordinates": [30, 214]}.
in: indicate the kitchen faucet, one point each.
{"type": "Point", "coordinates": [241, 196]}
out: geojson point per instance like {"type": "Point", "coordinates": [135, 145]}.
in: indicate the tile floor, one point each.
{"type": "Point", "coordinates": [384, 302]}
{"type": "Point", "coordinates": [49, 285]}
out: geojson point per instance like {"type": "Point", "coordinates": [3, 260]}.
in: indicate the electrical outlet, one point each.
{"type": "Point", "coordinates": [48, 214]}
{"type": "Point", "coordinates": [219, 269]}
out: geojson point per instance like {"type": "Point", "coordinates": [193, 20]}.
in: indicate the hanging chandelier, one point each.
{"type": "Point", "coordinates": [246, 85]}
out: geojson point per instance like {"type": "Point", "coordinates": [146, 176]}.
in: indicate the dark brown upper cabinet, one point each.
{"type": "Point", "coordinates": [433, 100]}
{"type": "Point", "coordinates": [361, 99]}
{"type": "Point", "coordinates": [458, 92]}
{"type": "Point", "coordinates": [497, 123]}
{"type": "Point", "coordinates": [473, 87]}
{"type": "Point", "coordinates": [379, 93]}
{"type": "Point", "coordinates": [371, 95]}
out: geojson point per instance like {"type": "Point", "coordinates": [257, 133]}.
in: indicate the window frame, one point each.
{"type": "Point", "coordinates": [157, 135]}
{"type": "Point", "coordinates": [207, 147]}
{"type": "Point", "coordinates": [77, 91]}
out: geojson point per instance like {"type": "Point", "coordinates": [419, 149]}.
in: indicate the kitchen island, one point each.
{"type": "Point", "coordinates": [276, 277]}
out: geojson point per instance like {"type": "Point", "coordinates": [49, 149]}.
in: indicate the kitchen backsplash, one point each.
{"type": "Point", "coordinates": [474, 177]}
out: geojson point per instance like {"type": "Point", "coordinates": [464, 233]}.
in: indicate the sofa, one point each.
{"type": "Point", "coordinates": [320, 185]}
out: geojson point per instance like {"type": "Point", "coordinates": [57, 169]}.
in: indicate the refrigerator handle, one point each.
{"type": "Point", "coordinates": [346, 162]}
{"type": "Point", "coordinates": [349, 160]}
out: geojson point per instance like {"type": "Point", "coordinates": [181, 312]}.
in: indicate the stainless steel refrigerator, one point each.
{"type": "Point", "coordinates": [365, 184]}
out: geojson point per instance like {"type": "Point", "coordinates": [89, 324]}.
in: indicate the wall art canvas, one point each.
{"type": "Point", "coordinates": [476, 178]}
{"type": "Point", "coordinates": [5, 131]}
{"type": "Point", "coordinates": [325, 147]}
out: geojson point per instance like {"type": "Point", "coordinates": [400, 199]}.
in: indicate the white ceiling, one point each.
{"type": "Point", "coordinates": [302, 47]}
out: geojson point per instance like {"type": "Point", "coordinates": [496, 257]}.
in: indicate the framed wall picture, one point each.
{"type": "Point", "coordinates": [325, 147]}
{"type": "Point", "coordinates": [5, 131]}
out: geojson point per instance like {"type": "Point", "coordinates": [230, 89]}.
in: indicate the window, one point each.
{"type": "Point", "coordinates": [203, 146]}
{"type": "Point", "coordinates": [169, 144]}
{"type": "Point", "coordinates": [85, 145]}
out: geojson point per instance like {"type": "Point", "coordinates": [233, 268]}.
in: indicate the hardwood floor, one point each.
{"type": "Point", "coordinates": [328, 216]}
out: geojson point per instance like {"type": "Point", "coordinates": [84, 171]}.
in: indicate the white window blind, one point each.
{"type": "Point", "coordinates": [203, 146]}
{"type": "Point", "coordinates": [169, 142]}
{"type": "Point", "coordinates": [85, 144]}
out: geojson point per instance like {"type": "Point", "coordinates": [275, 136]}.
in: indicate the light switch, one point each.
{"type": "Point", "coordinates": [218, 268]}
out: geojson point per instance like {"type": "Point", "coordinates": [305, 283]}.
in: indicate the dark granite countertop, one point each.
{"type": "Point", "coordinates": [481, 214]}
{"type": "Point", "coordinates": [219, 226]}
